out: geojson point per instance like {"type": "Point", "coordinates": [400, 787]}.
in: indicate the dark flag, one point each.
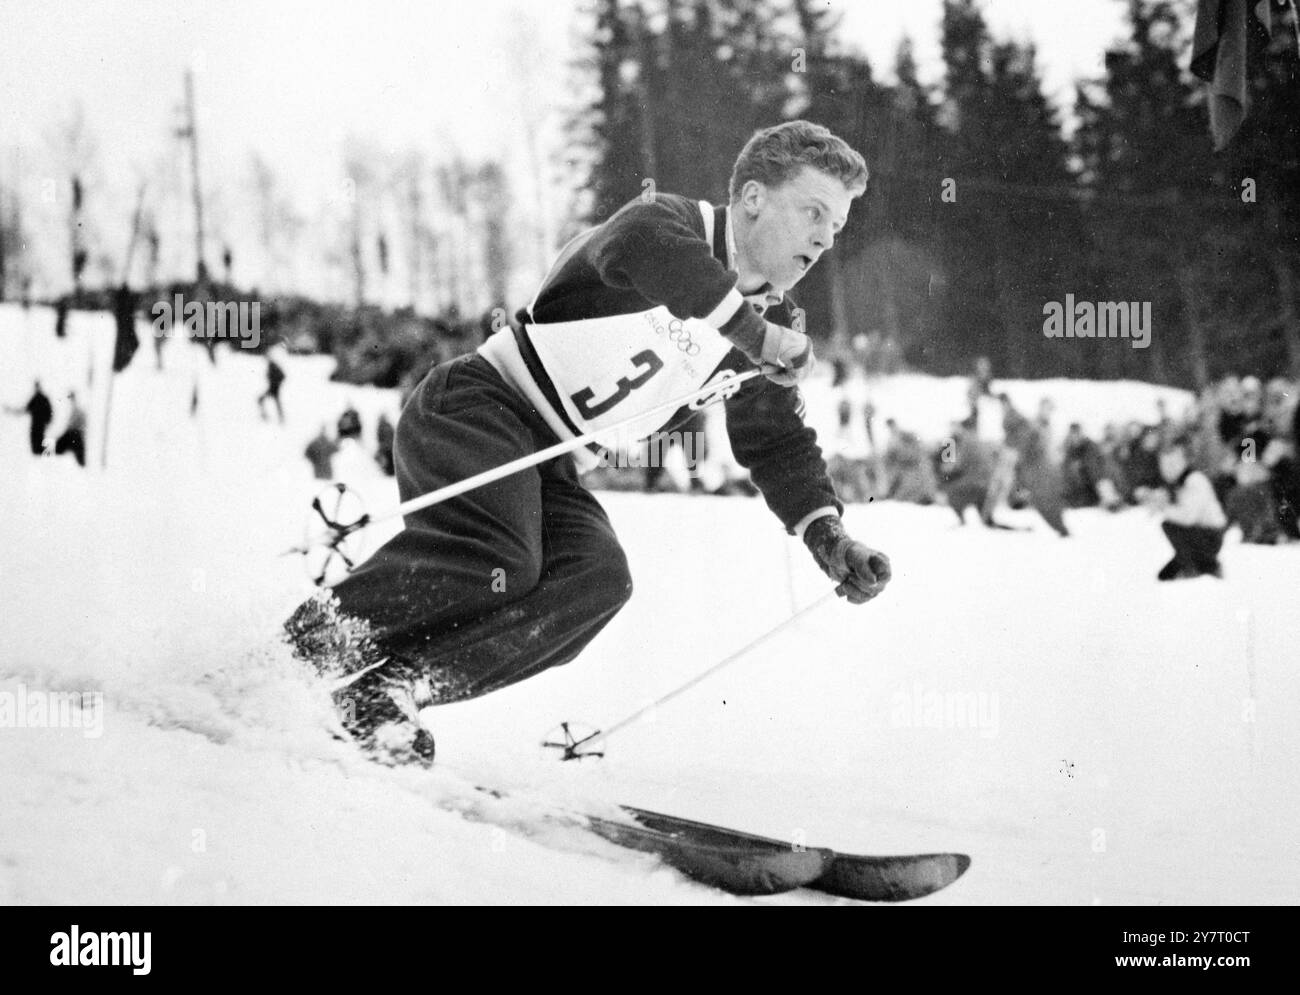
{"type": "Point", "coordinates": [126, 343]}
{"type": "Point", "coordinates": [61, 318]}
{"type": "Point", "coordinates": [1228, 34]}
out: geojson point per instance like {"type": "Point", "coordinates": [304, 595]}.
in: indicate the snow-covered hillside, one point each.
{"type": "Point", "coordinates": [1084, 733]}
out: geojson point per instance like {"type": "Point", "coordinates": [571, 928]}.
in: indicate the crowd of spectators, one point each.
{"type": "Point", "coordinates": [1239, 433]}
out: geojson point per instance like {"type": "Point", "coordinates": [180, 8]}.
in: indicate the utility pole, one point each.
{"type": "Point", "coordinates": [189, 131]}
{"type": "Point", "coordinates": [135, 234]}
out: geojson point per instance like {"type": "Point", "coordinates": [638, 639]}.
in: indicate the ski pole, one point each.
{"type": "Point", "coordinates": [339, 532]}
{"type": "Point", "coordinates": [570, 747]}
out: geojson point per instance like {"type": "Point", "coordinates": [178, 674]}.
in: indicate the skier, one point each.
{"type": "Point", "coordinates": [41, 412]}
{"type": "Point", "coordinates": [667, 296]}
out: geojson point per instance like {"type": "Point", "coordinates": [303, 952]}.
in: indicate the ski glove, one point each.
{"type": "Point", "coordinates": [784, 355]}
{"type": "Point", "coordinates": [860, 571]}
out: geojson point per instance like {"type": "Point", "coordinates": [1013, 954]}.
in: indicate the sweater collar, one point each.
{"type": "Point", "coordinates": [724, 240]}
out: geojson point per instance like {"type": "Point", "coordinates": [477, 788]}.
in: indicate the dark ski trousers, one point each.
{"type": "Point", "coordinates": [499, 583]}
{"type": "Point", "coordinates": [1196, 548]}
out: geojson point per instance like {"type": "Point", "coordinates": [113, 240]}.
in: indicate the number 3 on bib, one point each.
{"type": "Point", "coordinates": [647, 363]}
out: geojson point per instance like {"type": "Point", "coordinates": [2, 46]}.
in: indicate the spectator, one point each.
{"type": "Point", "coordinates": [843, 406]}
{"type": "Point", "coordinates": [1164, 424]}
{"type": "Point", "coordinates": [1243, 482]}
{"type": "Point", "coordinates": [384, 434]}
{"type": "Point", "coordinates": [1142, 467]}
{"type": "Point", "coordinates": [1252, 402]}
{"type": "Point", "coordinates": [1206, 449]}
{"type": "Point", "coordinates": [1084, 469]}
{"type": "Point", "coordinates": [985, 414]}
{"type": "Point", "coordinates": [1046, 408]}
{"type": "Point", "coordinates": [1038, 475]}
{"type": "Point", "coordinates": [1113, 465]}
{"type": "Point", "coordinates": [1005, 456]}
{"type": "Point", "coordinates": [320, 453]}
{"type": "Point", "coordinates": [965, 467]}
{"type": "Point", "coordinates": [869, 422]}
{"type": "Point", "coordinates": [908, 472]}
{"type": "Point", "coordinates": [41, 412]}
{"type": "Point", "coordinates": [1232, 419]}
{"type": "Point", "coordinates": [349, 426]}
{"type": "Point", "coordinates": [1194, 521]}
{"type": "Point", "coordinates": [1280, 407]}
{"type": "Point", "coordinates": [274, 380]}
{"type": "Point", "coordinates": [1249, 501]}
{"type": "Point", "coordinates": [73, 439]}
{"type": "Point", "coordinates": [1282, 414]}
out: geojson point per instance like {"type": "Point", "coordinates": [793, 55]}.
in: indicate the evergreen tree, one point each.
{"type": "Point", "coordinates": [1008, 218]}
{"type": "Point", "coordinates": [1176, 225]}
{"type": "Point", "coordinates": [680, 87]}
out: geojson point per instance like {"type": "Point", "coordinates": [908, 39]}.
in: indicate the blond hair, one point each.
{"type": "Point", "coordinates": [774, 155]}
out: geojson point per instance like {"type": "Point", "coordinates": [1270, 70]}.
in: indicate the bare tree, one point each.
{"type": "Point", "coordinates": [410, 180]}
{"type": "Point", "coordinates": [278, 224]}
{"type": "Point", "coordinates": [358, 190]}
{"type": "Point", "coordinates": [76, 153]}
{"type": "Point", "coordinates": [493, 196]}
{"type": "Point", "coordinates": [13, 261]}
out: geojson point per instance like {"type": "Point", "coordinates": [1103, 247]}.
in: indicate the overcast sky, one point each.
{"type": "Point", "coordinates": [292, 80]}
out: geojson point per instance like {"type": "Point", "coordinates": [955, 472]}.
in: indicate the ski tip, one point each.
{"type": "Point", "coordinates": [892, 879]}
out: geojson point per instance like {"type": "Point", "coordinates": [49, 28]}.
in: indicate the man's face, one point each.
{"type": "Point", "coordinates": [787, 228]}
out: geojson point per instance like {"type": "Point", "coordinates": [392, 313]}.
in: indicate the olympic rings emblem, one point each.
{"type": "Point", "coordinates": [681, 335]}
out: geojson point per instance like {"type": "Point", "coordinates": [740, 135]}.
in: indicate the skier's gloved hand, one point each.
{"type": "Point", "coordinates": [784, 355]}
{"type": "Point", "coordinates": [860, 571]}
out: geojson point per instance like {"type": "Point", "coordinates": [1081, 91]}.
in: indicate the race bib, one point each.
{"type": "Point", "coordinates": [609, 370]}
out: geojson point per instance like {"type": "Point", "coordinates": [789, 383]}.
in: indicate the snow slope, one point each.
{"type": "Point", "coordinates": [1086, 734]}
